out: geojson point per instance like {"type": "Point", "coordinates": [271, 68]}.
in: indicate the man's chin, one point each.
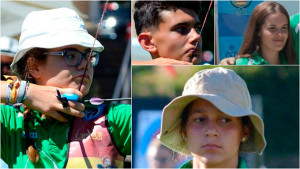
{"type": "Point", "coordinates": [195, 59]}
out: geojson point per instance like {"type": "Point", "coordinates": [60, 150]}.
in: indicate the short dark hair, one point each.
{"type": "Point", "coordinates": [35, 55]}
{"type": "Point", "coordinates": [147, 13]}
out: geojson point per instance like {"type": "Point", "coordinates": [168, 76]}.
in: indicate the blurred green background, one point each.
{"type": "Point", "coordinates": [154, 87]}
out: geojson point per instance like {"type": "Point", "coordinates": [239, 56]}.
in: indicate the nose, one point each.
{"type": "Point", "coordinates": [282, 31]}
{"type": "Point", "coordinates": [195, 36]}
{"type": "Point", "coordinates": [83, 63]}
{"type": "Point", "coordinates": [211, 130]}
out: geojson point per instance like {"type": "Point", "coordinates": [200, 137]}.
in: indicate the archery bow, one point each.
{"type": "Point", "coordinates": [97, 101]}
{"type": "Point", "coordinates": [95, 38]}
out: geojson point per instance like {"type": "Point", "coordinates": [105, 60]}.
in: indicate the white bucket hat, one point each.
{"type": "Point", "coordinates": [225, 90]}
{"type": "Point", "coordinates": [9, 46]}
{"type": "Point", "coordinates": [52, 29]}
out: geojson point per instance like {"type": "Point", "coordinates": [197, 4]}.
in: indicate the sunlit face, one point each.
{"type": "Point", "coordinates": [55, 71]}
{"type": "Point", "coordinates": [274, 32]}
{"type": "Point", "coordinates": [176, 36]}
{"type": "Point", "coordinates": [213, 137]}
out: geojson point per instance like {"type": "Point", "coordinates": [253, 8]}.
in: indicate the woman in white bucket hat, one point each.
{"type": "Point", "coordinates": [213, 121]}
{"type": "Point", "coordinates": [42, 133]}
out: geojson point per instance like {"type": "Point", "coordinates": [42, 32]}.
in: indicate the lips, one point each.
{"type": "Point", "coordinates": [211, 146]}
{"type": "Point", "coordinates": [87, 77]}
{"type": "Point", "coordinates": [196, 51]}
{"type": "Point", "coordinates": [278, 40]}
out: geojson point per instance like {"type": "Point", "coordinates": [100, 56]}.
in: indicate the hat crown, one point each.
{"type": "Point", "coordinates": [53, 28]}
{"type": "Point", "coordinates": [220, 82]}
{"type": "Point", "coordinates": [52, 21]}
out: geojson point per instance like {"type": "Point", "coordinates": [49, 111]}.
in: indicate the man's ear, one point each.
{"type": "Point", "coordinates": [145, 41]}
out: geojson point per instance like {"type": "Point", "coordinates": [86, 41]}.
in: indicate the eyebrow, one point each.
{"type": "Point", "coordinates": [198, 111]}
{"type": "Point", "coordinates": [186, 23]}
{"type": "Point", "coordinates": [279, 25]}
{"type": "Point", "coordinates": [71, 48]}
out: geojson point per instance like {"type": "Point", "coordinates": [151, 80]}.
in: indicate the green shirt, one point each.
{"type": "Point", "coordinates": [295, 28]}
{"type": "Point", "coordinates": [256, 59]}
{"type": "Point", "coordinates": [53, 135]}
{"type": "Point", "coordinates": [242, 164]}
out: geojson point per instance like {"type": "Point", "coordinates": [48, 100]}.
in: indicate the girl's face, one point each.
{"type": "Point", "coordinates": [56, 72]}
{"type": "Point", "coordinates": [213, 137]}
{"type": "Point", "coordinates": [274, 32]}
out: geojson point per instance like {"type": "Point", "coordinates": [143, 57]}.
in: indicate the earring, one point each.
{"type": "Point", "coordinates": [183, 137]}
{"type": "Point", "coordinates": [244, 139]}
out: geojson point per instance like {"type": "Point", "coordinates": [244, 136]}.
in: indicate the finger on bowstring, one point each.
{"type": "Point", "coordinates": [77, 105]}
{"type": "Point", "coordinates": [72, 111]}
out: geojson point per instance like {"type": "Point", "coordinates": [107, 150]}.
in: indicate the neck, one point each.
{"type": "Point", "coordinates": [271, 56]}
{"type": "Point", "coordinates": [203, 163]}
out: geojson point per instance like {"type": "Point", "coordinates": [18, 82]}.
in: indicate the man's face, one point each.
{"type": "Point", "coordinates": [177, 35]}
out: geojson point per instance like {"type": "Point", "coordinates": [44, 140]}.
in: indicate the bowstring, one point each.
{"type": "Point", "coordinates": [202, 26]}
{"type": "Point", "coordinates": [86, 66]}
{"type": "Point", "coordinates": [95, 38]}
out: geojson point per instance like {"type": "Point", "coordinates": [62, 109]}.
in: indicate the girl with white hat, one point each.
{"type": "Point", "coordinates": [53, 54]}
{"type": "Point", "coordinates": [213, 121]}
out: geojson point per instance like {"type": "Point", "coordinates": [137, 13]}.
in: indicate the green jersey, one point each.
{"type": "Point", "coordinates": [256, 59]}
{"type": "Point", "coordinates": [295, 28]}
{"type": "Point", "coordinates": [51, 136]}
{"type": "Point", "coordinates": [242, 164]}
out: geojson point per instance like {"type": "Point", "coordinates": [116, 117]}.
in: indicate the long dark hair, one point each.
{"type": "Point", "coordinates": [24, 65]}
{"type": "Point", "coordinates": [251, 41]}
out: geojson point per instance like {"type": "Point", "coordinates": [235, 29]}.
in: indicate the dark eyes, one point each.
{"type": "Point", "coordinates": [225, 120]}
{"type": "Point", "coordinates": [274, 28]}
{"type": "Point", "coordinates": [70, 56]}
{"type": "Point", "coordinates": [185, 29]}
{"type": "Point", "coordinates": [202, 119]}
{"type": "Point", "coordinates": [182, 30]}
{"type": "Point", "coordinates": [199, 120]}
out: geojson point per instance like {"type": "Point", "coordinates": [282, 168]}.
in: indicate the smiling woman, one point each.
{"type": "Point", "coordinates": [213, 121]}
{"type": "Point", "coordinates": [268, 38]}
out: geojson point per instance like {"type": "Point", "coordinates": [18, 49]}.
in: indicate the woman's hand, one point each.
{"type": "Point", "coordinates": [44, 100]}
{"type": "Point", "coordinates": [228, 61]}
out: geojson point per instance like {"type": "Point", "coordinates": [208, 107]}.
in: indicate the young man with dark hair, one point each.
{"type": "Point", "coordinates": [169, 31]}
